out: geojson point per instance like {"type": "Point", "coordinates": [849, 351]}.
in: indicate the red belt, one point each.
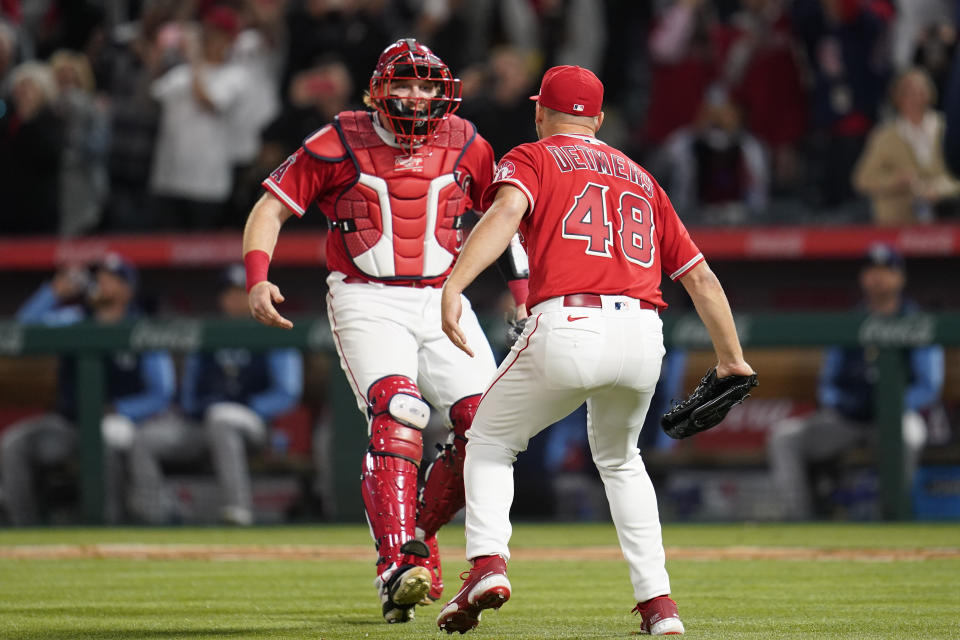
{"type": "Point", "coordinates": [415, 283]}
{"type": "Point", "coordinates": [595, 301]}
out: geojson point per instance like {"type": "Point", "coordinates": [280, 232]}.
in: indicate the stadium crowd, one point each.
{"type": "Point", "coordinates": [166, 114]}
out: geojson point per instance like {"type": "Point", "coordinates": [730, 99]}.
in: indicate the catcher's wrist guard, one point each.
{"type": "Point", "coordinates": [708, 405]}
{"type": "Point", "coordinates": [257, 263]}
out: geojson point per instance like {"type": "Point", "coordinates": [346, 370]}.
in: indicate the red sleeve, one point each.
{"type": "Point", "coordinates": [478, 162]}
{"type": "Point", "coordinates": [302, 179]}
{"type": "Point", "coordinates": [678, 253]}
{"type": "Point", "coordinates": [519, 168]}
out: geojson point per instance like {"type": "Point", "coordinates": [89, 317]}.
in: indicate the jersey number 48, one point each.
{"type": "Point", "coordinates": [588, 220]}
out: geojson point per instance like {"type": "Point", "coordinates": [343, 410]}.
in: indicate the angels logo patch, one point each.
{"type": "Point", "coordinates": [647, 184]}
{"type": "Point", "coordinates": [504, 171]}
{"type": "Point", "coordinates": [277, 174]}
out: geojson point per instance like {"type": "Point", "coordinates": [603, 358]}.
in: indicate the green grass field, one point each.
{"type": "Point", "coordinates": [872, 581]}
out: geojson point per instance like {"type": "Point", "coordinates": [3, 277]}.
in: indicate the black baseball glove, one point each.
{"type": "Point", "coordinates": [707, 405]}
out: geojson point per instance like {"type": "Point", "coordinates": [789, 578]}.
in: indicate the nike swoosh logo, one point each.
{"type": "Point", "coordinates": [574, 318]}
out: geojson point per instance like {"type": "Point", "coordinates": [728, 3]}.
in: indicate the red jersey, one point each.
{"type": "Point", "coordinates": [596, 222]}
{"type": "Point", "coordinates": [325, 171]}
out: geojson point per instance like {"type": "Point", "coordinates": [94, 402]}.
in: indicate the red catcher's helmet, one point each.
{"type": "Point", "coordinates": [407, 59]}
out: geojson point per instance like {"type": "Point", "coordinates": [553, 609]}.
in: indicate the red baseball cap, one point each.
{"type": "Point", "coordinates": [222, 18]}
{"type": "Point", "coordinates": [572, 90]}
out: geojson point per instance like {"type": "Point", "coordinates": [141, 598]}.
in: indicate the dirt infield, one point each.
{"type": "Point", "coordinates": [358, 552]}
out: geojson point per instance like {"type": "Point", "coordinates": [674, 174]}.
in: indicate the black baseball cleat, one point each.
{"type": "Point", "coordinates": [485, 586]}
{"type": "Point", "coordinates": [400, 592]}
{"type": "Point", "coordinates": [403, 587]}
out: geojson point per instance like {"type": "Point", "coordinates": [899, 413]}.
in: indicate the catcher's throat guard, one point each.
{"type": "Point", "coordinates": [708, 405]}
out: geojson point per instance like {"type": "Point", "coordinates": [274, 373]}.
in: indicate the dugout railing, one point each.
{"type": "Point", "coordinates": [89, 342]}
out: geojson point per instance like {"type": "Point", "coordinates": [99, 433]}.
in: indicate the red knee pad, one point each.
{"type": "Point", "coordinates": [442, 494]}
{"type": "Point", "coordinates": [398, 414]}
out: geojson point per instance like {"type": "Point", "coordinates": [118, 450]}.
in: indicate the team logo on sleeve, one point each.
{"type": "Point", "coordinates": [463, 179]}
{"type": "Point", "coordinates": [504, 171]}
{"type": "Point", "coordinates": [647, 184]}
{"type": "Point", "coordinates": [277, 174]}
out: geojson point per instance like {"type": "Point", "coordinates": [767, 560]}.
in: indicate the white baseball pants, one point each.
{"type": "Point", "coordinates": [383, 330]}
{"type": "Point", "coordinates": [609, 357]}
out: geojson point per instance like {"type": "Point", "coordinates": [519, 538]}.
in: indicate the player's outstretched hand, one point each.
{"type": "Point", "coordinates": [450, 310]}
{"type": "Point", "coordinates": [261, 299]}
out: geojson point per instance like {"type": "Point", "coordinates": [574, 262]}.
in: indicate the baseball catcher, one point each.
{"type": "Point", "coordinates": [394, 182]}
{"type": "Point", "coordinates": [708, 405]}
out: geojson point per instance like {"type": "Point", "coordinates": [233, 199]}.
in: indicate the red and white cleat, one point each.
{"type": "Point", "coordinates": [660, 617]}
{"type": "Point", "coordinates": [485, 586]}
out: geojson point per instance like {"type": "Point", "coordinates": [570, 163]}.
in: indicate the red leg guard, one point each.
{"type": "Point", "coordinates": [389, 488]}
{"type": "Point", "coordinates": [442, 494]}
{"type": "Point", "coordinates": [389, 478]}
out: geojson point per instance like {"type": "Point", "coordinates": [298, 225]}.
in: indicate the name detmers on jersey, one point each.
{"type": "Point", "coordinates": [580, 158]}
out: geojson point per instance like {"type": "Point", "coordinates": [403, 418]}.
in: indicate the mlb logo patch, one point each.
{"type": "Point", "coordinates": [577, 107]}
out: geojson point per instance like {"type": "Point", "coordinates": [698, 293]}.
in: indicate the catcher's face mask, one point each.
{"type": "Point", "coordinates": [413, 91]}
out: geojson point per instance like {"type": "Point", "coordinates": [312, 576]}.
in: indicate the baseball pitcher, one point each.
{"type": "Point", "coordinates": [598, 232]}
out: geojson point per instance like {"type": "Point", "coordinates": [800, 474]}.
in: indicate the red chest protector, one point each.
{"type": "Point", "coordinates": [401, 218]}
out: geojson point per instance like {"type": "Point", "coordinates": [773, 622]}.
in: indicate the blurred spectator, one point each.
{"type": "Point", "coordinates": [902, 170]}
{"type": "Point", "coordinates": [8, 57]}
{"type": "Point", "coordinates": [502, 106]}
{"type": "Point", "coordinates": [845, 42]}
{"type": "Point", "coordinates": [934, 41]}
{"type": "Point", "coordinates": [31, 143]}
{"type": "Point", "coordinates": [351, 30]}
{"type": "Point", "coordinates": [138, 386]}
{"type": "Point", "coordinates": [683, 65]}
{"type": "Point", "coordinates": [845, 419]}
{"type": "Point", "coordinates": [760, 68]}
{"type": "Point", "coordinates": [192, 174]}
{"type": "Point", "coordinates": [918, 22]}
{"type": "Point", "coordinates": [62, 24]}
{"type": "Point", "coordinates": [83, 169]}
{"type": "Point", "coordinates": [716, 171]}
{"type": "Point", "coordinates": [951, 107]}
{"type": "Point", "coordinates": [316, 95]}
{"type": "Point", "coordinates": [260, 49]}
{"type": "Point", "coordinates": [463, 33]}
{"type": "Point", "coordinates": [572, 32]}
{"type": "Point", "coordinates": [134, 63]}
{"type": "Point", "coordinates": [228, 397]}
